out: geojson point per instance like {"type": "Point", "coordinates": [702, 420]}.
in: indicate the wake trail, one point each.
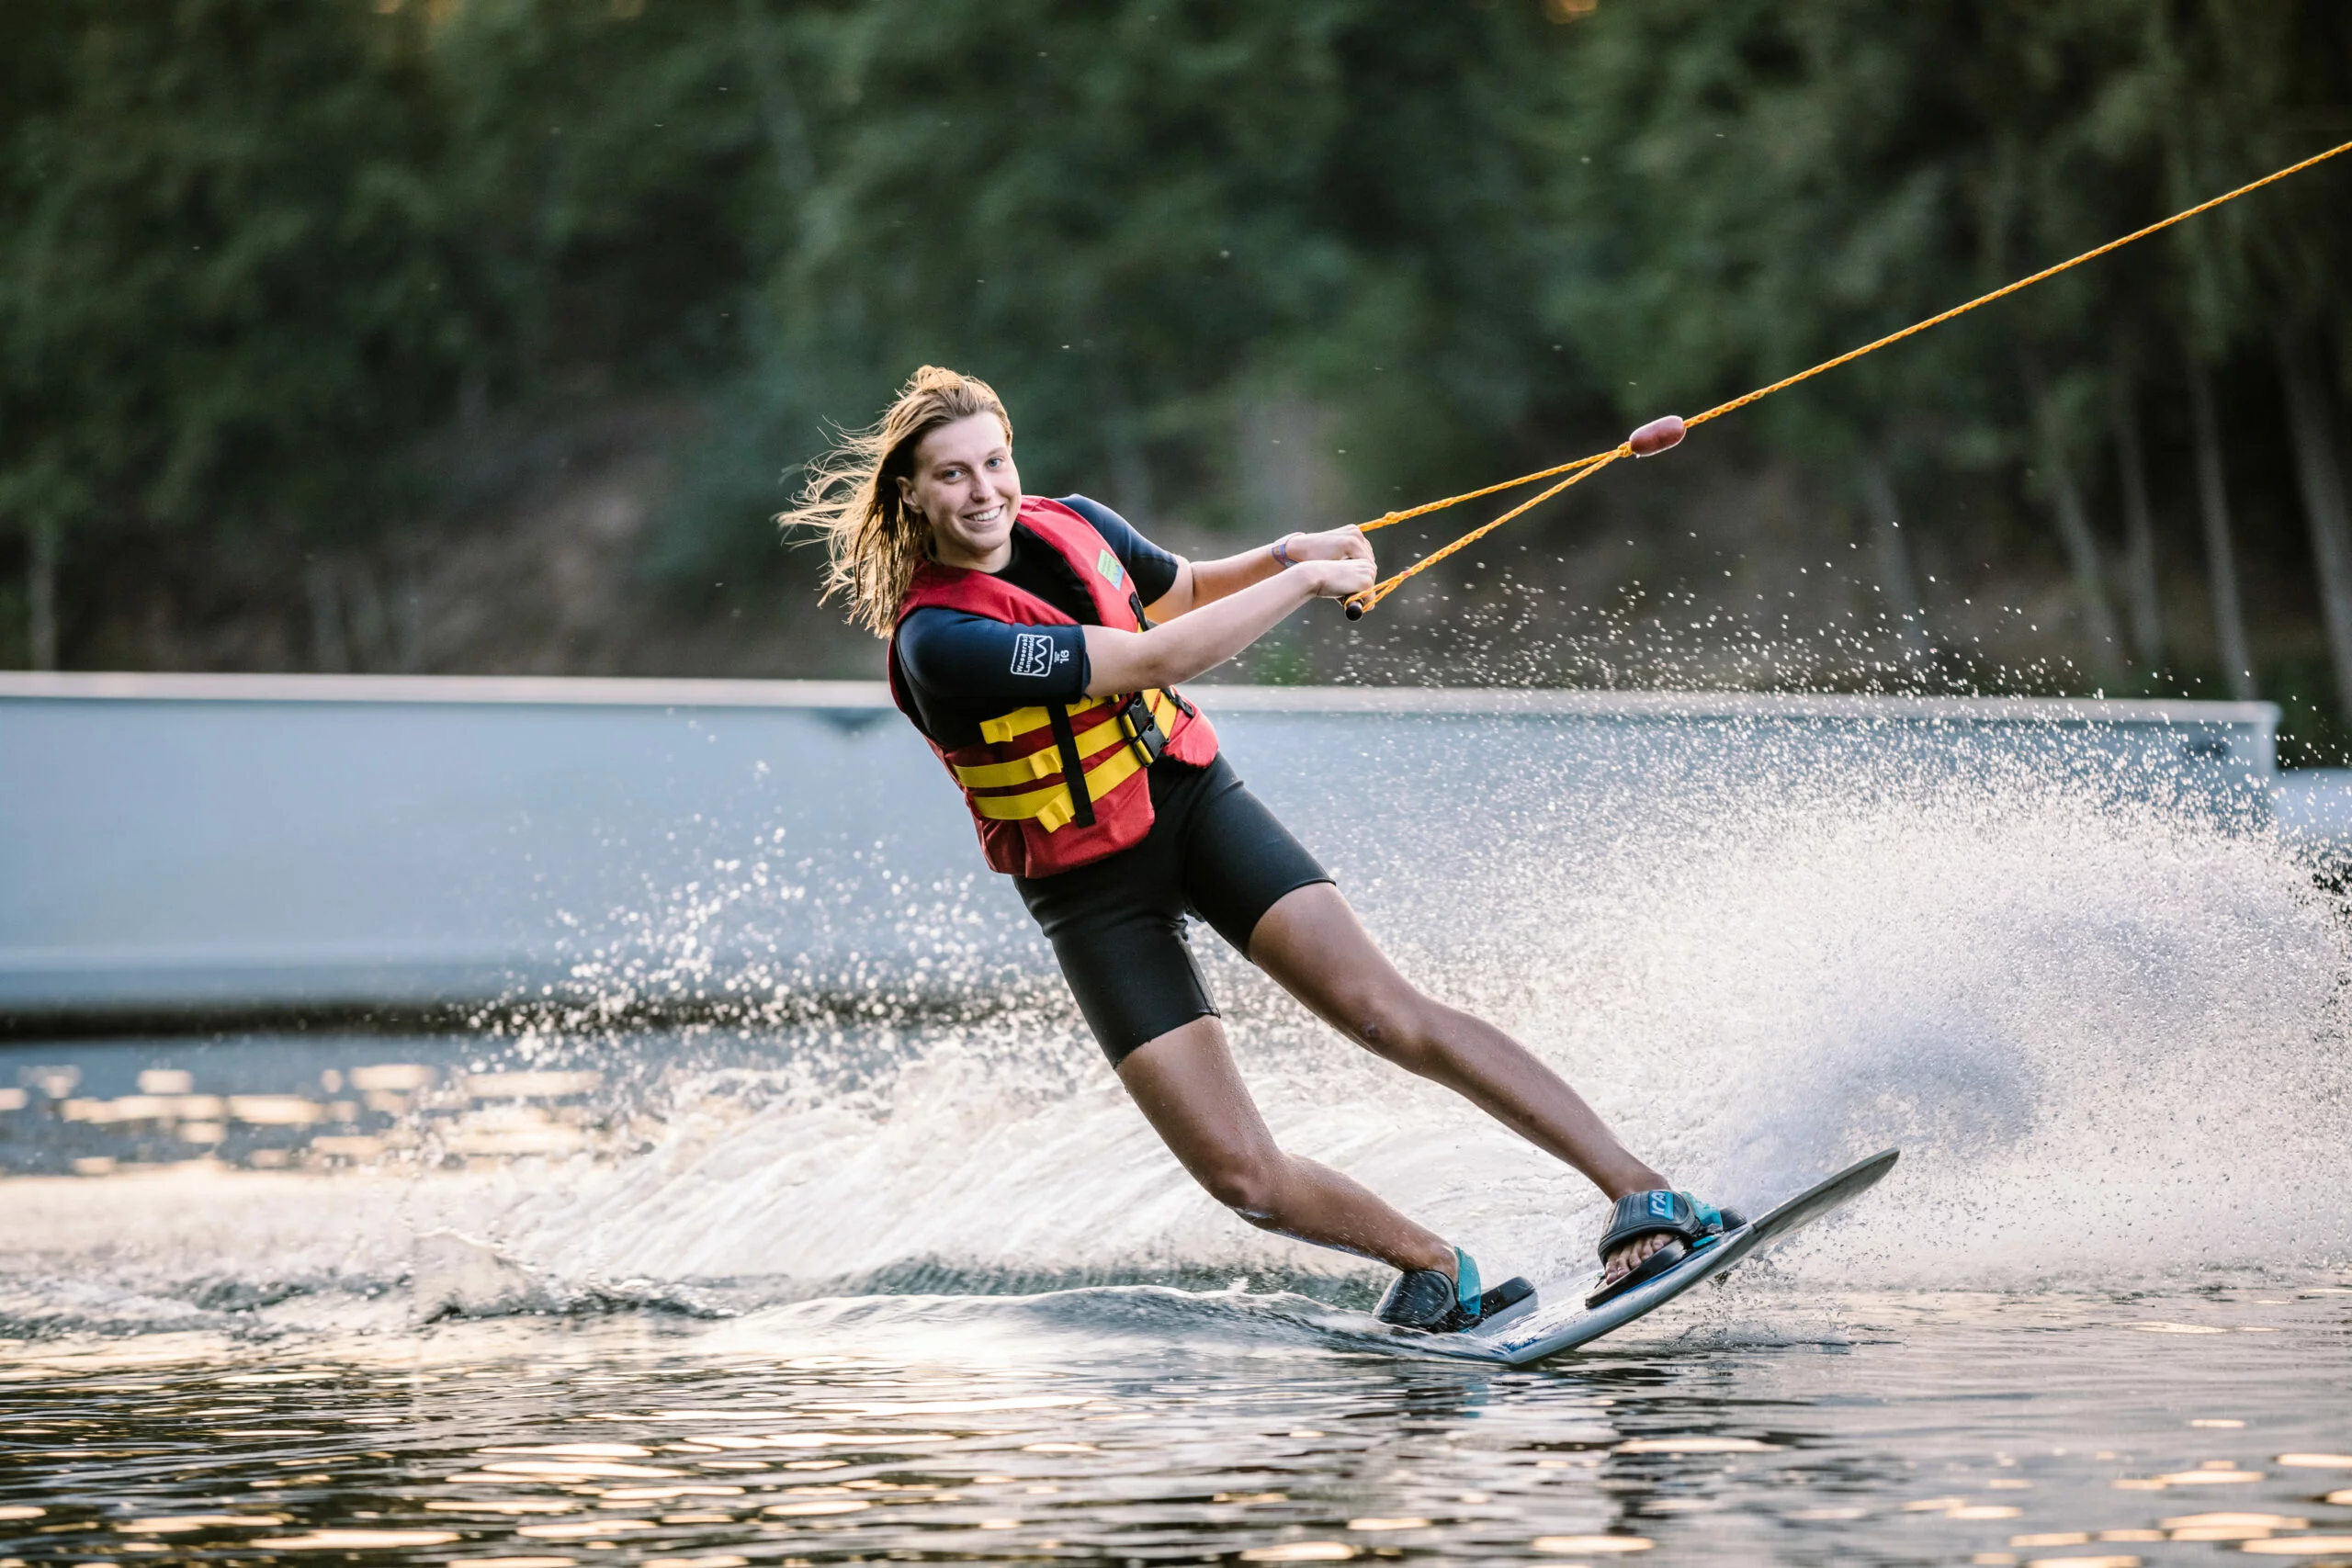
{"type": "Point", "coordinates": [2106, 1027]}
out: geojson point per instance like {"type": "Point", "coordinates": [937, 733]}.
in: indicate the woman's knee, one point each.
{"type": "Point", "coordinates": [1248, 1182]}
{"type": "Point", "coordinates": [1397, 1024]}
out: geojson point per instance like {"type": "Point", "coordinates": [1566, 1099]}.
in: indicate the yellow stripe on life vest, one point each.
{"type": "Point", "coordinates": [1051, 806]}
{"type": "Point", "coordinates": [1044, 764]}
{"type": "Point", "coordinates": [1025, 721]}
{"type": "Point", "coordinates": [1014, 725]}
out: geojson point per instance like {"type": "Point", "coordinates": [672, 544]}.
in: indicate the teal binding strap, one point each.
{"type": "Point", "coordinates": [1465, 1281]}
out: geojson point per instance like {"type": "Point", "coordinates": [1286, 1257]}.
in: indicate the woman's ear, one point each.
{"type": "Point", "coordinates": [906, 495]}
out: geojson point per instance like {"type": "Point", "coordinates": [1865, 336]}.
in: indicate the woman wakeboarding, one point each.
{"type": "Point", "coordinates": [1037, 645]}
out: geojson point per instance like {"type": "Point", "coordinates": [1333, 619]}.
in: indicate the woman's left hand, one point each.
{"type": "Point", "coordinates": [1332, 544]}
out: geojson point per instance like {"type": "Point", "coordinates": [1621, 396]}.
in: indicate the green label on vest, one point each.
{"type": "Point", "coordinates": [1108, 565]}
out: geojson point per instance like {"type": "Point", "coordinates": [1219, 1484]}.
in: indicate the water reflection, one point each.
{"type": "Point", "coordinates": [405, 1301]}
{"type": "Point", "coordinates": [251, 1104]}
{"type": "Point", "coordinates": [2014, 1431]}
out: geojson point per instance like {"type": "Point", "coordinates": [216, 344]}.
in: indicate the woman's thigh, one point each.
{"type": "Point", "coordinates": [1316, 948]}
{"type": "Point", "coordinates": [1187, 1088]}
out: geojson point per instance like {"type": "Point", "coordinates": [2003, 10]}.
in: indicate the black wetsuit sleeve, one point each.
{"type": "Point", "coordinates": [1153, 568]}
{"type": "Point", "coordinates": [966, 662]}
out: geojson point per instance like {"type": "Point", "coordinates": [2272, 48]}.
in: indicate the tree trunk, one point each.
{"type": "Point", "coordinates": [329, 653]}
{"type": "Point", "coordinates": [2221, 559]}
{"type": "Point", "coordinates": [780, 116]}
{"type": "Point", "coordinates": [410, 615]}
{"type": "Point", "coordinates": [2139, 532]}
{"type": "Point", "coordinates": [369, 626]}
{"type": "Point", "coordinates": [1130, 472]}
{"type": "Point", "coordinates": [1131, 486]}
{"type": "Point", "coordinates": [2319, 468]}
{"type": "Point", "coordinates": [1894, 575]}
{"type": "Point", "coordinates": [41, 597]}
{"type": "Point", "coordinates": [2082, 546]}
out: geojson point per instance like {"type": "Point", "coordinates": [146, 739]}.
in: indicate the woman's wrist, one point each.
{"type": "Point", "coordinates": [1297, 580]}
{"type": "Point", "coordinates": [1279, 548]}
{"type": "Point", "coordinates": [1313, 577]}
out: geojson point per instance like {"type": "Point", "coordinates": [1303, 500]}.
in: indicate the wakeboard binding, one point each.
{"type": "Point", "coordinates": [1427, 1300]}
{"type": "Point", "coordinates": [1686, 1222]}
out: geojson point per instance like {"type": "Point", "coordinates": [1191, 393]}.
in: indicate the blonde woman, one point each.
{"type": "Point", "coordinates": [1037, 645]}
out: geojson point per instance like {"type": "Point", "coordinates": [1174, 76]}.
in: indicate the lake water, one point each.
{"type": "Point", "coordinates": [903, 1276]}
{"type": "Point", "coordinates": [1768, 1423]}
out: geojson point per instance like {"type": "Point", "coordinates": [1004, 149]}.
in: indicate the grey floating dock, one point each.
{"type": "Point", "coordinates": [195, 848]}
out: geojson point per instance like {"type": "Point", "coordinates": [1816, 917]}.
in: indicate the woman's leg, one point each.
{"type": "Point", "coordinates": [1189, 1091]}
{"type": "Point", "coordinates": [1311, 941]}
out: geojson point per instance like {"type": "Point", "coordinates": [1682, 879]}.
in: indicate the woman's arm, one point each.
{"type": "Point", "coordinates": [1208, 636]}
{"type": "Point", "coordinates": [1205, 582]}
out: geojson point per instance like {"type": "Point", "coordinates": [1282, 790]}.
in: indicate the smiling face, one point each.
{"type": "Point", "coordinates": [966, 488]}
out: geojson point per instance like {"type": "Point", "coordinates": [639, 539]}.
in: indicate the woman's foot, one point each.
{"type": "Point", "coordinates": [1447, 1299]}
{"type": "Point", "coordinates": [1643, 1225]}
{"type": "Point", "coordinates": [1629, 1257]}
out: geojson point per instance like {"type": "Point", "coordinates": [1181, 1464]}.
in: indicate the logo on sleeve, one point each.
{"type": "Point", "coordinates": [1108, 565]}
{"type": "Point", "coordinates": [1034, 653]}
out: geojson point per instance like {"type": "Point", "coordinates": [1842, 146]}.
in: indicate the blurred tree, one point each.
{"type": "Point", "coordinates": [601, 160]}
{"type": "Point", "coordinates": [223, 298]}
{"type": "Point", "coordinates": [2255, 84]}
{"type": "Point", "coordinates": [279, 276]}
{"type": "Point", "coordinates": [1748, 188]}
{"type": "Point", "coordinates": [1141, 221]}
{"type": "Point", "coordinates": [252, 250]}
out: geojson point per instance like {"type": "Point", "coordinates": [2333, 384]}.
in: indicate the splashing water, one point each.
{"type": "Point", "coordinates": [2107, 1037]}
{"type": "Point", "coordinates": [2104, 1023]}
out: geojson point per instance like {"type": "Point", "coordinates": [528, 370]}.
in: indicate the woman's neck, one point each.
{"type": "Point", "coordinates": [947, 552]}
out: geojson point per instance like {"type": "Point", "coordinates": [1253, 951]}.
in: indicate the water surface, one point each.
{"type": "Point", "coordinates": [883, 1277]}
{"type": "Point", "coordinates": [1766, 1423]}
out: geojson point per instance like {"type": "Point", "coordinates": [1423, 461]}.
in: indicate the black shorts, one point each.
{"type": "Point", "coordinates": [1117, 926]}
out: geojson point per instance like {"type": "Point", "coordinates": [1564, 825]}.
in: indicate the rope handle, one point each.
{"type": "Point", "coordinates": [1660, 434]}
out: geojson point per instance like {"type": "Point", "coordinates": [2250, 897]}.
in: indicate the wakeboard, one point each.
{"type": "Point", "coordinates": [1554, 1318]}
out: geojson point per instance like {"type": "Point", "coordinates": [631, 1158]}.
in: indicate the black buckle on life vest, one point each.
{"type": "Point", "coordinates": [1144, 725]}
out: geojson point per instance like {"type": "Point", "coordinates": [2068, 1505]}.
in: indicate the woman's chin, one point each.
{"type": "Point", "coordinates": [986, 541]}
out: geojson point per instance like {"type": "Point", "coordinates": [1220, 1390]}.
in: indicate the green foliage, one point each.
{"type": "Point", "coordinates": [601, 168]}
{"type": "Point", "coordinates": [258, 257]}
{"type": "Point", "coordinates": [252, 250]}
{"type": "Point", "coordinates": [1088, 230]}
{"type": "Point", "coordinates": [222, 297]}
{"type": "Point", "coordinates": [1134, 218]}
{"type": "Point", "coordinates": [1758, 186]}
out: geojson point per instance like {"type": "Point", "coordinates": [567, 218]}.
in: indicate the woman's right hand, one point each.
{"type": "Point", "coordinates": [1341, 578]}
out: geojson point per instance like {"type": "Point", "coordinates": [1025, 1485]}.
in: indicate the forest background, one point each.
{"type": "Point", "coordinates": [486, 335]}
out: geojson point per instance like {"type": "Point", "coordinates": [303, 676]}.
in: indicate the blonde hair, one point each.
{"type": "Point", "coordinates": [873, 540]}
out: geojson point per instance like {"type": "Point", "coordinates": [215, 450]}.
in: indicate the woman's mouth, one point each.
{"type": "Point", "coordinates": [990, 516]}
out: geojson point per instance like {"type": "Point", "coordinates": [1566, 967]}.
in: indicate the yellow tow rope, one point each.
{"type": "Point", "coordinates": [1661, 434]}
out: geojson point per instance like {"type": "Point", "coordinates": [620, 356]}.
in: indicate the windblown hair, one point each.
{"type": "Point", "coordinates": [873, 540]}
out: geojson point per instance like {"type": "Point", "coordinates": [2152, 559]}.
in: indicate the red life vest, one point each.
{"type": "Point", "coordinates": [1016, 777]}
